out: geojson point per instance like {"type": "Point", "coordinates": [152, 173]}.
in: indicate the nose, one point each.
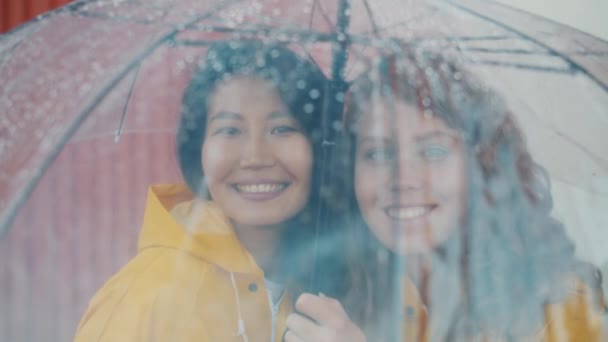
{"type": "Point", "coordinates": [257, 153]}
{"type": "Point", "coordinates": [408, 174]}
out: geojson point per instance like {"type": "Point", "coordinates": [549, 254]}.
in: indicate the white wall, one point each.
{"type": "Point", "coordinates": [586, 15]}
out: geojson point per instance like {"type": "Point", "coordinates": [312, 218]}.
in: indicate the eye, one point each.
{"type": "Point", "coordinates": [379, 155]}
{"type": "Point", "coordinates": [434, 152]}
{"type": "Point", "coordinates": [283, 130]}
{"type": "Point", "coordinates": [228, 131]}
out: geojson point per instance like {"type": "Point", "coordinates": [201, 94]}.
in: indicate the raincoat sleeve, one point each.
{"type": "Point", "coordinates": [579, 318]}
{"type": "Point", "coordinates": [138, 308]}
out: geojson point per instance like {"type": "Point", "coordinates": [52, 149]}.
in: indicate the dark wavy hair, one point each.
{"type": "Point", "coordinates": [302, 87]}
{"type": "Point", "coordinates": [300, 84]}
{"type": "Point", "coordinates": [511, 257]}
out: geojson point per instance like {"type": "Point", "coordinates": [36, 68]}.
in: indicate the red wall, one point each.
{"type": "Point", "coordinates": [16, 12]}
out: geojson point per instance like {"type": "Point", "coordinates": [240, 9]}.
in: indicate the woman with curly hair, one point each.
{"type": "Point", "coordinates": [453, 215]}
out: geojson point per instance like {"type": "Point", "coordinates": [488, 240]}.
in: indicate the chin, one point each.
{"type": "Point", "coordinates": [260, 220]}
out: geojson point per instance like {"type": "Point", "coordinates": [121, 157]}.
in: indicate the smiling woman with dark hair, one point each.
{"type": "Point", "coordinates": [219, 260]}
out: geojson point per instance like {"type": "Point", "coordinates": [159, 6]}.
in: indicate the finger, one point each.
{"type": "Point", "coordinates": [290, 336]}
{"type": "Point", "coordinates": [324, 310]}
{"type": "Point", "coordinates": [305, 329]}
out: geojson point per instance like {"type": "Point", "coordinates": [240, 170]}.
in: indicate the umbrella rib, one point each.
{"type": "Point", "coordinates": [465, 38]}
{"type": "Point", "coordinates": [506, 51]}
{"type": "Point", "coordinates": [19, 200]}
{"type": "Point", "coordinates": [126, 107]}
{"type": "Point", "coordinates": [372, 19]}
{"type": "Point", "coordinates": [409, 20]}
{"type": "Point", "coordinates": [88, 14]}
{"type": "Point", "coordinates": [521, 66]}
{"type": "Point", "coordinates": [312, 14]}
{"type": "Point", "coordinates": [324, 14]}
{"type": "Point", "coordinates": [573, 64]}
{"type": "Point", "coordinates": [265, 31]}
{"type": "Point", "coordinates": [582, 148]}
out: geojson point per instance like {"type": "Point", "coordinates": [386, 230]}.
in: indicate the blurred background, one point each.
{"type": "Point", "coordinates": [585, 15]}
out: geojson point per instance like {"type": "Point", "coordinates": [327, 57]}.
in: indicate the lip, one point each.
{"type": "Point", "coordinates": [410, 213]}
{"type": "Point", "coordinates": [259, 190]}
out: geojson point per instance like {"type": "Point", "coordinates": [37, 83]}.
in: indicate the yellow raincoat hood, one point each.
{"type": "Point", "coordinates": [190, 281]}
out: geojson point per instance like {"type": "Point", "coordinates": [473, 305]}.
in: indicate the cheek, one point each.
{"type": "Point", "coordinates": [214, 160]}
{"type": "Point", "coordinates": [296, 156]}
{"type": "Point", "coordinates": [368, 185]}
{"type": "Point", "coordinates": [450, 183]}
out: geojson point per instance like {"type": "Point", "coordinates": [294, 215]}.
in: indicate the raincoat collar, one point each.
{"type": "Point", "coordinates": [175, 219]}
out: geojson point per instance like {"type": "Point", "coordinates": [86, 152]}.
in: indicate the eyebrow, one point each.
{"type": "Point", "coordinates": [436, 134]}
{"type": "Point", "coordinates": [278, 115]}
{"type": "Point", "coordinates": [224, 115]}
{"type": "Point", "coordinates": [418, 138]}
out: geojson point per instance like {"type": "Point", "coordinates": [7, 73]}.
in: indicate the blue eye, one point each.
{"type": "Point", "coordinates": [379, 155]}
{"type": "Point", "coordinates": [283, 130]}
{"type": "Point", "coordinates": [434, 152]}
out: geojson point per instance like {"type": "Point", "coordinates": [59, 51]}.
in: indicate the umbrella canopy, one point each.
{"type": "Point", "coordinates": [91, 94]}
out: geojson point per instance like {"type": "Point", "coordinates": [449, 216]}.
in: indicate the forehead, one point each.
{"type": "Point", "coordinates": [239, 86]}
{"type": "Point", "coordinates": [382, 117]}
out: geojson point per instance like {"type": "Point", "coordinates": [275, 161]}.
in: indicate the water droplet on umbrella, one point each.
{"type": "Point", "coordinates": [340, 96]}
{"type": "Point", "coordinates": [426, 101]}
{"type": "Point", "coordinates": [337, 125]}
{"type": "Point", "coordinates": [309, 108]}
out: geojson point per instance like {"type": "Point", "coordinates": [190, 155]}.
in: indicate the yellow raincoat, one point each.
{"type": "Point", "coordinates": [185, 284]}
{"type": "Point", "coordinates": [574, 320]}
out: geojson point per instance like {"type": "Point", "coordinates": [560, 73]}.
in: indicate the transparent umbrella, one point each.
{"type": "Point", "coordinates": [91, 94]}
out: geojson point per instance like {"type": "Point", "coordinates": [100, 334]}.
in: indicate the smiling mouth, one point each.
{"type": "Point", "coordinates": [261, 189]}
{"type": "Point", "coordinates": [409, 212]}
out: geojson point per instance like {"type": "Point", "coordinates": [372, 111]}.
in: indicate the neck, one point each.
{"type": "Point", "coordinates": [262, 243]}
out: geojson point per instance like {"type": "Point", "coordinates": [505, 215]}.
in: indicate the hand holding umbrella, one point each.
{"type": "Point", "coordinates": [321, 319]}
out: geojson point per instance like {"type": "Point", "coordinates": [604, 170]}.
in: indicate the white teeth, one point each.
{"type": "Point", "coordinates": [260, 188]}
{"type": "Point", "coordinates": [407, 213]}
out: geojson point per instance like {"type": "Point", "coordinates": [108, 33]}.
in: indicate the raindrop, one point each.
{"type": "Point", "coordinates": [337, 125]}
{"type": "Point", "coordinates": [181, 65]}
{"type": "Point", "coordinates": [217, 66]}
{"type": "Point", "coordinates": [314, 94]}
{"type": "Point", "coordinates": [457, 76]}
{"type": "Point", "coordinates": [428, 114]}
{"type": "Point", "coordinates": [426, 101]}
{"type": "Point", "coordinates": [340, 97]}
{"type": "Point", "coordinates": [341, 37]}
{"type": "Point", "coordinates": [260, 62]}
{"type": "Point", "coordinates": [301, 84]}
{"type": "Point", "coordinates": [84, 88]}
{"type": "Point", "coordinates": [309, 108]}
{"type": "Point", "coordinates": [275, 53]}
{"type": "Point", "coordinates": [347, 12]}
